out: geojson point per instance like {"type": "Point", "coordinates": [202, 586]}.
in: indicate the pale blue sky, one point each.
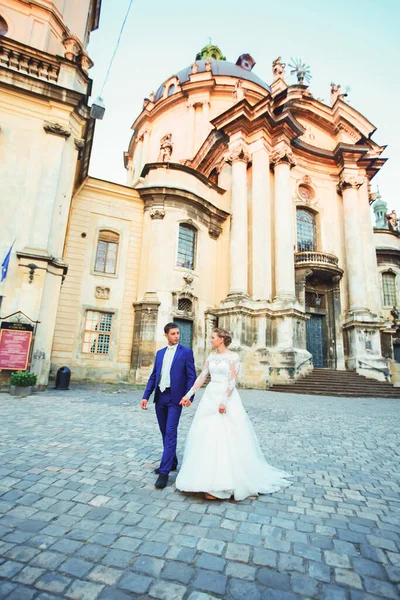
{"type": "Point", "coordinates": [351, 42]}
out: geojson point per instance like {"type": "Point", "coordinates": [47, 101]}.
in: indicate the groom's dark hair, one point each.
{"type": "Point", "coordinates": [170, 326]}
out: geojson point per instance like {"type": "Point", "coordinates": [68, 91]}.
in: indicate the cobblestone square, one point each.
{"type": "Point", "coordinates": [80, 517]}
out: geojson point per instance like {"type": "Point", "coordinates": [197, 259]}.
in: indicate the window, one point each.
{"type": "Point", "coordinates": [306, 238]}
{"type": "Point", "coordinates": [3, 26]}
{"type": "Point", "coordinates": [186, 246]}
{"type": "Point", "coordinates": [185, 304]}
{"type": "Point", "coordinates": [107, 251]}
{"type": "Point", "coordinates": [171, 89]}
{"type": "Point", "coordinates": [389, 289]}
{"type": "Point", "coordinates": [96, 338]}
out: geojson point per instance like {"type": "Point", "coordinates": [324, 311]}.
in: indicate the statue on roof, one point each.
{"type": "Point", "coordinates": [336, 93]}
{"type": "Point", "coordinates": [238, 92]}
{"type": "Point", "coordinates": [392, 221]}
{"type": "Point", "coordinates": [278, 68]}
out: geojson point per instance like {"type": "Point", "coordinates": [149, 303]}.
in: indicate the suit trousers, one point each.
{"type": "Point", "coordinates": [168, 414]}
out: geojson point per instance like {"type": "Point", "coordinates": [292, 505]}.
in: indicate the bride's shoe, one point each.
{"type": "Point", "coordinates": [209, 496]}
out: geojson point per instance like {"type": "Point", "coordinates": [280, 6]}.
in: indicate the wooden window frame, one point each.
{"type": "Point", "coordinates": [104, 232]}
{"type": "Point", "coordinates": [196, 233]}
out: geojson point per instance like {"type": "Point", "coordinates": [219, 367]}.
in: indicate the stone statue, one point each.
{"type": "Point", "coordinates": [336, 93]}
{"type": "Point", "coordinates": [238, 92]}
{"type": "Point", "coordinates": [166, 147]}
{"type": "Point", "coordinates": [396, 315]}
{"type": "Point", "coordinates": [194, 68]}
{"type": "Point", "coordinates": [278, 68]}
{"type": "Point", "coordinates": [393, 221]}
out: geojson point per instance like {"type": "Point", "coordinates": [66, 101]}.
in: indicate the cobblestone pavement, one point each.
{"type": "Point", "coordinates": [80, 517]}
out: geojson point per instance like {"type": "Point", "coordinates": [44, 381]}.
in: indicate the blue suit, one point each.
{"type": "Point", "coordinates": [168, 409]}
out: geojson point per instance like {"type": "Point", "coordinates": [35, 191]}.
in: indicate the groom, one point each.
{"type": "Point", "coordinates": [173, 375]}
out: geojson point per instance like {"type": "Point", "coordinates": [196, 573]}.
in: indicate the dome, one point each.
{"type": "Point", "coordinates": [223, 68]}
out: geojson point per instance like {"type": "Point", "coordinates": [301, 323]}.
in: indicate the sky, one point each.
{"type": "Point", "coordinates": [354, 43]}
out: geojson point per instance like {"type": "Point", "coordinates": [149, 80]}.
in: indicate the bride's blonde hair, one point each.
{"type": "Point", "coordinates": [225, 334]}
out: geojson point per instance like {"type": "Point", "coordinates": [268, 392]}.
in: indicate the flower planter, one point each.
{"type": "Point", "coordinates": [20, 391]}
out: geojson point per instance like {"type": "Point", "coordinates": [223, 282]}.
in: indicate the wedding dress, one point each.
{"type": "Point", "coordinates": [222, 455]}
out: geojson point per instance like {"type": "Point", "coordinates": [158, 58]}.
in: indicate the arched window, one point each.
{"type": "Point", "coordinates": [171, 89]}
{"type": "Point", "coordinates": [186, 246]}
{"type": "Point", "coordinates": [3, 26]}
{"type": "Point", "coordinates": [389, 289]}
{"type": "Point", "coordinates": [306, 235]}
{"type": "Point", "coordinates": [106, 252]}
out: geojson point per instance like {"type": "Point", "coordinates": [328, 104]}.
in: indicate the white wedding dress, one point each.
{"type": "Point", "coordinates": [222, 454]}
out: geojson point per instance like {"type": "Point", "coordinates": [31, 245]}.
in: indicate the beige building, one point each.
{"type": "Point", "coordinates": [45, 141]}
{"type": "Point", "coordinates": [247, 205]}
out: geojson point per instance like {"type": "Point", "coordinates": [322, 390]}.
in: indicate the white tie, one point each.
{"type": "Point", "coordinates": [165, 381]}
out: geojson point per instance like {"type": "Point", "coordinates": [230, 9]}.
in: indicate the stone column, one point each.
{"type": "Point", "coordinates": [138, 157]}
{"type": "Point", "coordinates": [348, 186]}
{"type": "Point", "coordinates": [206, 119]}
{"type": "Point", "coordinates": [371, 265]}
{"type": "Point", "coordinates": [157, 214]}
{"type": "Point", "coordinates": [190, 129]}
{"type": "Point", "coordinates": [261, 217]}
{"type": "Point", "coordinates": [285, 288]}
{"type": "Point", "coordinates": [239, 228]}
{"type": "Point", "coordinates": [49, 184]}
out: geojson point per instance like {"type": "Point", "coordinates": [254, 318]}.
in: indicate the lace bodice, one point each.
{"type": "Point", "coordinates": [223, 368]}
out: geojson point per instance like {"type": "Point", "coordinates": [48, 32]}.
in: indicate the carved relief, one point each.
{"type": "Point", "coordinates": [102, 292]}
{"type": "Point", "coordinates": [166, 147]}
{"type": "Point", "coordinates": [349, 181]}
{"type": "Point", "coordinates": [284, 154]}
{"type": "Point", "coordinates": [239, 153]}
{"type": "Point", "coordinates": [56, 129]}
{"type": "Point", "coordinates": [214, 231]}
{"type": "Point", "coordinates": [157, 212]}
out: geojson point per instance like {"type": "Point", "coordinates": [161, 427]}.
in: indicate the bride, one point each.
{"type": "Point", "coordinates": [222, 456]}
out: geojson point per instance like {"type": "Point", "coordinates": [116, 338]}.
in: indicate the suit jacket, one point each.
{"type": "Point", "coordinates": [182, 374]}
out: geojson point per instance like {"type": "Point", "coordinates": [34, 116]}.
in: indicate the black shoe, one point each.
{"type": "Point", "coordinates": [161, 481]}
{"type": "Point", "coordinates": [157, 471]}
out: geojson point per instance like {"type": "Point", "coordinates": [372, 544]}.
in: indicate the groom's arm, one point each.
{"type": "Point", "coordinates": [151, 384]}
{"type": "Point", "coordinates": [190, 372]}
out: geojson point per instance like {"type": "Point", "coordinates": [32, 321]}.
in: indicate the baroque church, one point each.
{"type": "Point", "coordinates": [247, 205]}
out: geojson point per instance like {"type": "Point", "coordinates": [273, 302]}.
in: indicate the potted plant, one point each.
{"type": "Point", "coordinates": [21, 383]}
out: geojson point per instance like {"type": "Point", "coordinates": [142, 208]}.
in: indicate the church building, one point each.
{"type": "Point", "coordinates": [247, 206]}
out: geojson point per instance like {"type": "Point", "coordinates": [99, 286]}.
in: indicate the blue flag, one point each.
{"type": "Point", "coordinates": [6, 262]}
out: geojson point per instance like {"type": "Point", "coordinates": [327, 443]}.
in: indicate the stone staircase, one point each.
{"type": "Point", "coordinates": [325, 382]}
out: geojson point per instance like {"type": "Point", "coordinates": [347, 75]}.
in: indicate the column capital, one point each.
{"type": "Point", "coordinates": [283, 154]}
{"type": "Point", "coordinates": [240, 153]}
{"type": "Point", "coordinates": [157, 212]}
{"type": "Point", "coordinates": [347, 181]}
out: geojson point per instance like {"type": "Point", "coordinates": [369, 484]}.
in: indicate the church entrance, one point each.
{"type": "Point", "coordinates": [186, 329]}
{"type": "Point", "coordinates": [315, 341]}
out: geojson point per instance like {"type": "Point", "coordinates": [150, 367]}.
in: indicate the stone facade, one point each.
{"type": "Point", "coordinates": [247, 205]}
{"type": "Point", "coordinates": [45, 140]}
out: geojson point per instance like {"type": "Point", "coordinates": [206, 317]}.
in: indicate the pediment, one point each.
{"type": "Point", "coordinates": [317, 136]}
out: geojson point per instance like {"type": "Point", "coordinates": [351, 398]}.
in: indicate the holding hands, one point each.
{"type": "Point", "coordinates": [185, 401]}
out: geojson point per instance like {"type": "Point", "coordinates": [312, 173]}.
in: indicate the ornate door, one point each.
{"type": "Point", "coordinates": [315, 343]}
{"type": "Point", "coordinates": [186, 329]}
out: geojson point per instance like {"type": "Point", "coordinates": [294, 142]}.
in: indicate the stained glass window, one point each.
{"type": "Point", "coordinates": [186, 246]}
{"type": "Point", "coordinates": [97, 335]}
{"type": "Point", "coordinates": [306, 238]}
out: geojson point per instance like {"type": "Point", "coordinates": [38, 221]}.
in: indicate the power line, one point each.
{"type": "Point", "coordinates": [116, 47]}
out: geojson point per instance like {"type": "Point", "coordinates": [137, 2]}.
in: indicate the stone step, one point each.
{"type": "Point", "coordinates": [326, 382]}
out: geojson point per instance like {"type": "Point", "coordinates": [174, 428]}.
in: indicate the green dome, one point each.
{"type": "Point", "coordinates": [210, 51]}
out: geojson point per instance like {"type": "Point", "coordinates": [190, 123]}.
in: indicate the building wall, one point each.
{"type": "Point", "coordinates": [99, 205]}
